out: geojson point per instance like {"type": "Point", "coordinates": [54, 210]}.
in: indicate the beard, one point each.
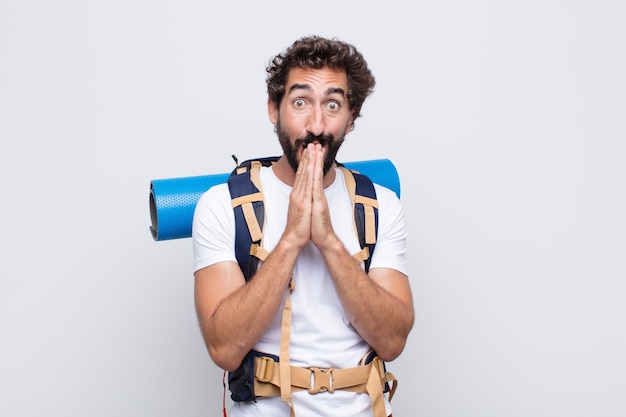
{"type": "Point", "coordinates": [290, 150]}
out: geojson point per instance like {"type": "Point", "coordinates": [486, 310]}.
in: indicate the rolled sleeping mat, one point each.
{"type": "Point", "coordinates": [173, 200]}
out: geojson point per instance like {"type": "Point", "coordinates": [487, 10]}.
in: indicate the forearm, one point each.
{"type": "Point", "coordinates": [242, 317]}
{"type": "Point", "coordinates": [383, 316]}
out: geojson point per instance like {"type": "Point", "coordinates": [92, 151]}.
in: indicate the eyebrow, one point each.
{"type": "Point", "coordinates": [329, 91]}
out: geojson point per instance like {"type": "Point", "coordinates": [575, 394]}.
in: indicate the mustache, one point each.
{"type": "Point", "coordinates": [323, 140]}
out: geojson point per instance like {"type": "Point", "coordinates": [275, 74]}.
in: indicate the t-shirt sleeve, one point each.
{"type": "Point", "coordinates": [213, 228]}
{"type": "Point", "coordinates": [390, 250]}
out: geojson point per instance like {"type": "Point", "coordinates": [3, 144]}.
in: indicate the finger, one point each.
{"type": "Point", "coordinates": [310, 171]}
{"type": "Point", "coordinates": [318, 169]}
{"type": "Point", "coordinates": [302, 175]}
{"type": "Point", "coordinates": [302, 167]}
{"type": "Point", "coordinates": [298, 224]}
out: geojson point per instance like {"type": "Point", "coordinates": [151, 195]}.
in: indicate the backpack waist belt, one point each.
{"type": "Point", "coordinates": [370, 378]}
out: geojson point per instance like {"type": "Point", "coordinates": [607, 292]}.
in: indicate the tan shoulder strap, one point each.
{"type": "Point", "coordinates": [368, 206]}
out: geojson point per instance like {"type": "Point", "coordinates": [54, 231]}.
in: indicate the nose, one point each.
{"type": "Point", "coordinates": [315, 122]}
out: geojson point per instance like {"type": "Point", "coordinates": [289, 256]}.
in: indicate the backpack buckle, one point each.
{"type": "Point", "coordinates": [264, 369]}
{"type": "Point", "coordinates": [321, 380]}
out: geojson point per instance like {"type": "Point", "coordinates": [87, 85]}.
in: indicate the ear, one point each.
{"type": "Point", "coordinates": [350, 125]}
{"type": "Point", "coordinates": [272, 111]}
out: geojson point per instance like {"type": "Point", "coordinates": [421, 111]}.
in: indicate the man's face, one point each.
{"type": "Point", "coordinates": [314, 109]}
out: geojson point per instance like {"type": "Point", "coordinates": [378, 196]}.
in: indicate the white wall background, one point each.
{"type": "Point", "coordinates": [506, 121]}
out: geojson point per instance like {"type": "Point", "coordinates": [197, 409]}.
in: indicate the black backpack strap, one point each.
{"type": "Point", "coordinates": [247, 201]}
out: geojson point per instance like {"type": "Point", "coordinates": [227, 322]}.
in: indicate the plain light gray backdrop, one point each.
{"type": "Point", "coordinates": [505, 120]}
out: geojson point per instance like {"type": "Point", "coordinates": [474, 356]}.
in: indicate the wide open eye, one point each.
{"type": "Point", "coordinates": [299, 103]}
{"type": "Point", "coordinates": [332, 106]}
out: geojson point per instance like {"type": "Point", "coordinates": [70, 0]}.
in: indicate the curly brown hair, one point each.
{"type": "Point", "coordinates": [317, 52]}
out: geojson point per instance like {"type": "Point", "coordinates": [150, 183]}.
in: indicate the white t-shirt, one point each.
{"type": "Point", "coordinates": [321, 334]}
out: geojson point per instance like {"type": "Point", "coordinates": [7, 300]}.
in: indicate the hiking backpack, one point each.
{"type": "Point", "coordinates": [246, 193]}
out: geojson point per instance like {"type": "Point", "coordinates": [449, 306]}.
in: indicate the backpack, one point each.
{"type": "Point", "coordinates": [246, 194]}
{"type": "Point", "coordinates": [247, 201]}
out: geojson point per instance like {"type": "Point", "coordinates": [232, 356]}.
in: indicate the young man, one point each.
{"type": "Point", "coordinates": [338, 312]}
